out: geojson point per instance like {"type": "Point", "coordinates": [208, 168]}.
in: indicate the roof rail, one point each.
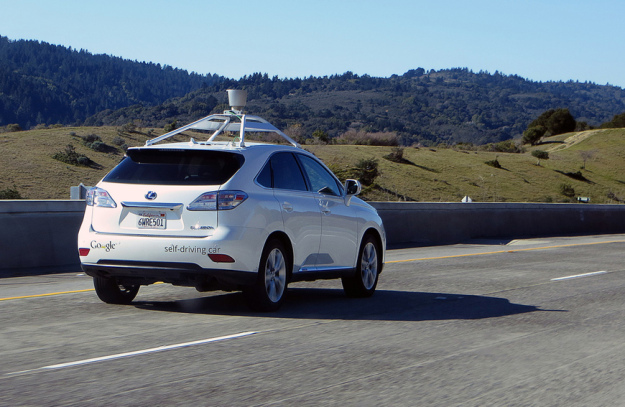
{"type": "Point", "coordinates": [231, 120]}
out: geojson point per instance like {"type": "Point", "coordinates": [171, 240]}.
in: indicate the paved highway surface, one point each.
{"type": "Point", "coordinates": [536, 322]}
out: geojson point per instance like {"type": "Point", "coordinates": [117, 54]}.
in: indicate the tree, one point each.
{"type": "Point", "coordinates": [533, 135]}
{"type": "Point", "coordinates": [541, 155]}
{"type": "Point", "coordinates": [542, 119]}
{"type": "Point", "coordinates": [296, 132]}
{"type": "Point", "coordinates": [171, 126]}
{"type": "Point", "coordinates": [321, 136]}
{"type": "Point", "coordinates": [555, 121]}
{"type": "Point", "coordinates": [560, 122]}
{"type": "Point", "coordinates": [618, 121]}
{"type": "Point", "coordinates": [414, 73]}
{"type": "Point", "coordinates": [396, 155]}
{"type": "Point", "coordinates": [586, 155]}
{"type": "Point", "coordinates": [367, 171]}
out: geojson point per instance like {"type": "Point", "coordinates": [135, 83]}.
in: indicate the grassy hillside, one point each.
{"type": "Point", "coordinates": [26, 160]}
{"type": "Point", "coordinates": [427, 174]}
{"type": "Point", "coordinates": [433, 175]}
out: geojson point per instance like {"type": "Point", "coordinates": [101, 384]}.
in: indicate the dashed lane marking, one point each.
{"type": "Point", "coordinates": [503, 251]}
{"type": "Point", "coordinates": [135, 353]}
{"type": "Point", "coordinates": [595, 273]}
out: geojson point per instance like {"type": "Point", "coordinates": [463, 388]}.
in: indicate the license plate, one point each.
{"type": "Point", "coordinates": [152, 220]}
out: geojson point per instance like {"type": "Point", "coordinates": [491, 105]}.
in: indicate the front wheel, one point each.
{"type": "Point", "coordinates": [268, 292]}
{"type": "Point", "coordinates": [111, 292]}
{"type": "Point", "coordinates": [365, 280]}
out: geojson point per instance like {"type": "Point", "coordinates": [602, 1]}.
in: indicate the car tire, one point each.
{"type": "Point", "coordinates": [364, 282]}
{"type": "Point", "coordinates": [267, 294]}
{"type": "Point", "coordinates": [111, 292]}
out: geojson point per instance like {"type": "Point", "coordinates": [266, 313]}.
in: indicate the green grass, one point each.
{"type": "Point", "coordinates": [426, 175]}
{"type": "Point", "coordinates": [26, 160]}
{"type": "Point", "coordinates": [447, 175]}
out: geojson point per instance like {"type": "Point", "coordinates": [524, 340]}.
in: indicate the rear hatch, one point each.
{"type": "Point", "coordinates": [151, 190]}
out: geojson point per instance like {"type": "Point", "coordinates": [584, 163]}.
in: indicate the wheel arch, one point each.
{"type": "Point", "coordinates": [378, 239]}
{"type": "Point", "coordinates": [284, 238]}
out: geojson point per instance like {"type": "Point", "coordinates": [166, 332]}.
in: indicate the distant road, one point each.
{"type": "Point", "coordinates": [530, 322]}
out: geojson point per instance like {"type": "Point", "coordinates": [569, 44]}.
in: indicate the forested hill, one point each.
{"type": "Point", "coordinates": [44, 83]}
{"type": "Point", "coordinates": [449, 106]}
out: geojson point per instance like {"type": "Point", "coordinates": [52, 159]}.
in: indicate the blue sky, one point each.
{"type": "Point", "coordinates": [539, 40]}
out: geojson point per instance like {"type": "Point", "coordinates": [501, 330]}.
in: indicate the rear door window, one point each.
{"type": "Point", "coordinates": [282, 172]}
{"type": "Point", "coordinates": [176, 167]}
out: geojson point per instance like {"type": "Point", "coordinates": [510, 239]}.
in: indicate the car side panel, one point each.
{"type": "Point", "coordinates": [302, 224]}
{"type": "Point", "coordinates": [339, 228]}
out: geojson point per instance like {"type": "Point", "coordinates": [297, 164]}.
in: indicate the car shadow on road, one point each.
{"type": "Point", "coordinates": [385, 305]}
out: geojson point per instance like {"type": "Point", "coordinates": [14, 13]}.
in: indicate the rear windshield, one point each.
{"type": "Point", "coordinates": [175, 167]}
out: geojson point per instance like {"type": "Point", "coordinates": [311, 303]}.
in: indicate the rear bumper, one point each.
{"type": "Point", "coordinates": [183, 274]}
{"type": "Point", "coordinates": [171, 253]}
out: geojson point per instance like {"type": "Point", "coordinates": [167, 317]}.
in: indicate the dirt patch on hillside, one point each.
{"type": "Point", "coordinates": [574, 139]}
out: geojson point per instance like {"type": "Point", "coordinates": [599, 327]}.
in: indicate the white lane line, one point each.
{"type": "Point", "coordinates": [137, 353]}
{"type": "Point", "coordinates": [579, 276]}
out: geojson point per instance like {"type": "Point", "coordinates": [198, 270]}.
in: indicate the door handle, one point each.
{"type": "Point", "coordinates": [287, 207]}
{"type": "Point", "coordinates": [324, 206]}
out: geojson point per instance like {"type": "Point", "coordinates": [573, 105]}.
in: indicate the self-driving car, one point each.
{"type": "Point", "coordinates": [227, 215]}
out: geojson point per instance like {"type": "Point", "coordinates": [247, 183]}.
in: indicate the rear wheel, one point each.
{"type": "Point", "coordinates": [110, 291]}
{"type": "Point", "coordinates": [365, 280]}
{"type": "Point", "coordinates": [268, 292]}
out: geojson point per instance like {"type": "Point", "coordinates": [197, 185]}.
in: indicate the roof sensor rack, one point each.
{"type": "Point", "coordinates": [234, 120]}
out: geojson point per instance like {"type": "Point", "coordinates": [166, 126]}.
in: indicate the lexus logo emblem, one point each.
{"type": "Point", "coordinates": [150, 195]}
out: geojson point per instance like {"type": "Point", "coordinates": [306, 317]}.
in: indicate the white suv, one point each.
{"type": "Point", "coordinates": [227, 215]}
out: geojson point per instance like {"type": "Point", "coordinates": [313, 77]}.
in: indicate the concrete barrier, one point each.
{"type": "Point", "coordinates": [416, 223]}
{"type": "Point", "coordinates": [40, 236]}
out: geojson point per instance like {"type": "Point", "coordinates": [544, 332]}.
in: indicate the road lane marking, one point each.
{"type": "Point", "coordinates": [136, 353]}
{"type": "Point", "coordinates": [21, 297]}
{"type": "Point", "coordinates": [595, 273]}
{"type": "Point", "coordinates": [503, 251]}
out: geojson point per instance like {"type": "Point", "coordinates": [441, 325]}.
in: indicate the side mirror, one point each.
{"type": "Point", "coordinates": [352, 187]}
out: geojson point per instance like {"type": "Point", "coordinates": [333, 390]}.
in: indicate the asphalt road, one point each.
{"type": "Point", "coordinates": [518, 323]}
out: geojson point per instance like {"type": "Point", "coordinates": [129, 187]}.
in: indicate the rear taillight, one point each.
{"type": "Point", "coordinates": [230, 199]}
{"type": "Point", "coordinates": [217, 200]}
{"type": "Point", "coordinates": [99, 198]}
{"type": "Point", "coordinates": [83, 251]}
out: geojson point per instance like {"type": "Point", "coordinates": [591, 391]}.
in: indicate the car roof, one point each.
{"type": "Point", "coordinates": [247, 149]}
